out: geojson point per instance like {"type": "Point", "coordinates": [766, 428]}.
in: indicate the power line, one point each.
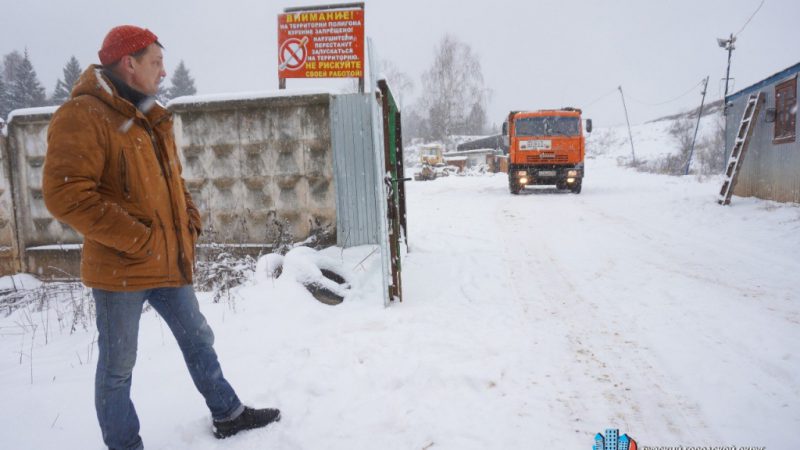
{"type": "Point", "coordinates": [751, 18]}
{"type": "Point", "coordinates": [688, 91]}
{"type": "Point", "coordinates": [600, 98]}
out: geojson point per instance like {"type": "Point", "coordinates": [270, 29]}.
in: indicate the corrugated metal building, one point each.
{"type": "Point", "coordinates": [495, 142]}
{"type": "Point", "coordinates": [771, 167]}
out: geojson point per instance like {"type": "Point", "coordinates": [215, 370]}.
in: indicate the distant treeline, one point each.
{"type": "Point", "coordinates": [20, 86]}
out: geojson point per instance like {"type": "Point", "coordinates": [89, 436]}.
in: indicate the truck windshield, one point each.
{"type": "Point", "coordinates": [547, 126]}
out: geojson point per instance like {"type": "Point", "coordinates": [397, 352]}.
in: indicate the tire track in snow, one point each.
{"type": "Point", "coordinates": [662, 248]}
{"type": "Point", "coordinates": [609, 364]}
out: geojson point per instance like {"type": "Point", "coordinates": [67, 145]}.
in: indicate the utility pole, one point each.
{"type": "Point", "coordinates": [699, 115]}
{"type": "Point", "coordinates": [630, 135]}
{"type": "Point", "coordinates": [727, 44]}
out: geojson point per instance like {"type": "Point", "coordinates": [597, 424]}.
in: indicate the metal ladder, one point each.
{"type": "Point", "coordinates": [740, 145]}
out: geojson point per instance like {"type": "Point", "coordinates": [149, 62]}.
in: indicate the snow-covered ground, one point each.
{"type": "Point", "coordinates": [653, 140]}
{"type": "Point", "coordinates": [530, 321]}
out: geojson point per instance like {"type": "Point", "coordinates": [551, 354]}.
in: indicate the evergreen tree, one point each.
{"type": "Point", "coordinates": [7, 76]}
{"type": "Point", "coordinates": [72, 71]}
{"type": "Point", "coordinates": [163, 93]}
{"type": "Point", "coordinates": [10, 63]}
{"type": "Point", "coordinates": [26, 90]}
{"type": "Point", "coordinates": [5, 101]}
{"type": "Point", "coordinates": [182, 83]}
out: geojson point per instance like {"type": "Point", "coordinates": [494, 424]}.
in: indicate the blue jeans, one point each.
{"type": "Point", "coordinates": [118, 316]}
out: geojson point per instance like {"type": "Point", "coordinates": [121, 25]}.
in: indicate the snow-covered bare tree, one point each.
{"type": "Point", "coordinates": [26, 90]}
{"type": "Point", "coordinates": [182, 83]}
{"type": "Point", "coordinates": [414, 124]}
{"type": "Point", "coordinates": [402, 85]}
{"type": "Point", "coordinates": [72, 71]}
{"type": "Point", "coordinates": [453, 92]}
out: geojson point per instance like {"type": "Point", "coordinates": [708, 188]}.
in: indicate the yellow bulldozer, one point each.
{"type": "Point", "coordinates": [431, 156]}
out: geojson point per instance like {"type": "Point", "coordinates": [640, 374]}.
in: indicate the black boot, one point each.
{"type": "Point", "coordinates": [249, 418]}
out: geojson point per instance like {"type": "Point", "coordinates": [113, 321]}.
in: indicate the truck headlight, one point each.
{"type": "Point", "coordinates": [572, 173]}
{"type": "Point", "coordinates": [570, 180]}
{"type": "Point", "coordinates": [522, 173]}
{"type": "Point", "coordinates": [523, 180]}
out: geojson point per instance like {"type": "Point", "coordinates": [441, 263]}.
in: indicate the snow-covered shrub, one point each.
{"type": "Point", "coordinates": [72, 304]}
{"type": "Point", "coordinates": [279, 234]}
{"type": "Point", "coordinates": [682, 132]}
{"type": "Point", "coordinates": [221, 271]}
{"type": "Point", "coordinates": [321, 235]}
{"type": "Point", "coordinates": [711, 151]}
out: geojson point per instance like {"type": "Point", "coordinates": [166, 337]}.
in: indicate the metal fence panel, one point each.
{"type": "Point", "coordinates": [355, 160]}
{"type": "Point", "coordinates": [381, 192]}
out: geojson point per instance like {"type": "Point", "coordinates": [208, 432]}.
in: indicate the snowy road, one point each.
{"type": "Point", "coordinates": [529, 322]}
{"type": "Point", "coordinates": [639, 304]}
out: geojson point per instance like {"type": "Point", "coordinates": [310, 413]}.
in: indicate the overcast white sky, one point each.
{"type": "Point", "coordinates": [535, 53]}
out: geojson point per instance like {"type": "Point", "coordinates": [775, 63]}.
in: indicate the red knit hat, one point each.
{"type": "Point", "coordinates": [124, 40]}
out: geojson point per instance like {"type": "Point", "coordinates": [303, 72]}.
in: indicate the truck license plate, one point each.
{"type": "Point", "coordinates": [547, 173]}
{"type": "Point", "coordinates": [536, 144]}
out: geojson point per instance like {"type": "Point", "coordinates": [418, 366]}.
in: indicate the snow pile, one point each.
{"type": "Point", "coordinates": [325, 277]}
{"type": "Point", "coordinates": [21, 281]}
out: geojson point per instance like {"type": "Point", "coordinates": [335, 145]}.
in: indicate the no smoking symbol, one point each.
{"type": "Point", "coordinates": [293, 53]}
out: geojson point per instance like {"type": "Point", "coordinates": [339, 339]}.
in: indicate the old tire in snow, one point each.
{"type": "Point", "coordinates": [322, 293]}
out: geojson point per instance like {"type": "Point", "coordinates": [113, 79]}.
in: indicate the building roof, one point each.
{"type": "Point", "coordinates": [494, 141]}
{"type": "Point", "coordinates": [765, 82]}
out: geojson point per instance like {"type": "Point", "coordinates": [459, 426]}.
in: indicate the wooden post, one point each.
{"type": "Point", "coordinates": [630, 135]}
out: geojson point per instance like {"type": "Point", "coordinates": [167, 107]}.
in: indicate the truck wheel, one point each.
{"type": "Point", "coordinates": [577, 188]}
{"type": "Point", "coordinates": [513, 186]}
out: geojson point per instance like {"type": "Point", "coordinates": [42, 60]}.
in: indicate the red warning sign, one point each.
{"type": "Point", "coordinates": [321, 44]}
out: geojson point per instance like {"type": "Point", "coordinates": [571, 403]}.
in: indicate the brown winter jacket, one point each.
{"type": "Point", "coordinates": [113, 174]}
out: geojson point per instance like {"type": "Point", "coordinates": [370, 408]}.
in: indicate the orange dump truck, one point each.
{"type": "Point", "coordinates": [546, 147]}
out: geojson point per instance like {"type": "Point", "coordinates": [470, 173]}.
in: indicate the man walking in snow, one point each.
{"type": "Point", "coordinates": [112, 173]}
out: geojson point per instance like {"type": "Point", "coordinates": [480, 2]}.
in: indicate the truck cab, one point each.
{"type": "Point", "coordinates": [546, 147]}
{"type": "Point", "coordinates": [432, 154]}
